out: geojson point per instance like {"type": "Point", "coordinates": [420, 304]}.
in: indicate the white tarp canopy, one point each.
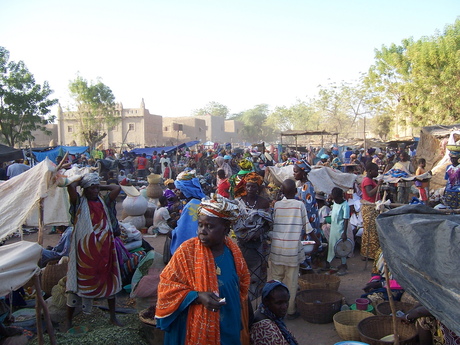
{"type": "Point", "coordinates": [20, 198]}
{"type": "Point", "coordinates": [18, 263]}
{"type": "Point", "coordinates": [323, 179]}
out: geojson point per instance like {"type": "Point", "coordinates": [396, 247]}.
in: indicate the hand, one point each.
{"type": "Point", "coordinates": [344, 237]}
{"type": "Point", "coordinates": [210, 301]}
{"type": "Point", "coordinates": [380, 182]}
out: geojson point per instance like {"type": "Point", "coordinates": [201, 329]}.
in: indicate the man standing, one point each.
{"type": "Point", "coordinates": [290, 221]}
{"type": "Point", "coordinates": [16, 168]}
{"type": "Point", "coordinates": [142, 165]}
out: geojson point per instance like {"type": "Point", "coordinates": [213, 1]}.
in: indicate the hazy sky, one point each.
{"type": "Point", "coordinates": [180, 55]}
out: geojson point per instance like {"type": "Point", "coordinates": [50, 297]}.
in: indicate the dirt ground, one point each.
{"type": "Point", "coordinates": [306, 333]}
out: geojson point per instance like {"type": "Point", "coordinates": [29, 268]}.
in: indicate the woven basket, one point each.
{"type": "Point", "coordinates": [318, 306]}
{"type": "Point", "coordinates": [373, 328]}
{"type": "Point", "coordinates": [346, 323]}
{"type": "Point", "coordinates": [52, 274]}
{"type": "Point", "coordinates": [385, 309]}
{"type": "Point", "coordinates": [145, 319]}
{"type": "Point", "coordinates": [319, 281]}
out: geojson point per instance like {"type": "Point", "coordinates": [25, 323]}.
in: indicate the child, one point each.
{"type": "Point", "coordinates": [290, 222]}
{"type": "Point", "coordinates": [422, 186]}
{"type": "Point", "coordinates": [223, 185]}
{"type": "Point", "coordinates": [340, 216]}
{"type": "Point", "coordinates": [161, 218]}
{"type": "Point", "coordinates": [166, 171]}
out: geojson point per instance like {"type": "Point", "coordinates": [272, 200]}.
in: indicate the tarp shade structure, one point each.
{"type": "Point", "coordinates": [149, 150]}
{"type": "Point", "coordinates": [432, 148]}
{"type": "Point", "coordinates": [9, 153]}
{"type": "Point", "coordinates": [53, 153]}
{"type": "Point", "coordinates": [20, 196]}
{"type": "Point", "coordinates": [323, 179]}
{"type": "Point", "coordinates": [421, 247]}
{"type": "Point", "coordinates": [18, 264]}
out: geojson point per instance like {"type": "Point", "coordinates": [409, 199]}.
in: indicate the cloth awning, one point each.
{"type": "Point", "coordinates": [421, 246]}
{"type": "Point", "coordinates": [18, 263]}
{"type": "Point", "coordinates": [9, 153]}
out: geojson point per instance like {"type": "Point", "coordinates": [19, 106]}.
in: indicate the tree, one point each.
{"type": "Point", "coordinates": [213, 109]}
{"type": "Point", "coordinates": [24, 104]}
{"type": "Point", "coordinates": [254, 123]}
{"type": "Point", "coordinates": [418, 82]}
{"type": "Point", "coordinates": [95, 109]}
{"type": "Point", "coordinates": [300, 116]}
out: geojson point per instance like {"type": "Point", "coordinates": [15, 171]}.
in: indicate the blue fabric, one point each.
{"type": "Point", "coordinates": [190, 188]}
{"type": "Point", "coordinates": [187, 225]}
{"type": "Point", "coordinates": [230, 313]}
{"type": "Point", "coordinates": [175, 324]}
{"type": "Point", "coordinates": [58, 150]}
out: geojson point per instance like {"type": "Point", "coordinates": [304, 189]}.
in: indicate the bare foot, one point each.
{"type": "Point", "coordinates": [114, 321]}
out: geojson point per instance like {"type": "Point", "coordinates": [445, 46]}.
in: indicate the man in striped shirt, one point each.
{"type": "Point", "coordinates": [289, 227]}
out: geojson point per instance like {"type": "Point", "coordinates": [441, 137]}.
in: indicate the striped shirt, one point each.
{"type": "Point", "coordinates": [290, 218]}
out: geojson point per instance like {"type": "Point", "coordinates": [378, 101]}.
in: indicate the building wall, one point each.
{"type": "Point", "coordinates": [215, 127]}
{"type": "Point", "coordinates": [42, 139]}
{"type": "Point", "coordinates": [137, 127]}
{"type": "Point", "coordinates": [192, 129]}
{"type": "Point", "coordinates": [233, 131]}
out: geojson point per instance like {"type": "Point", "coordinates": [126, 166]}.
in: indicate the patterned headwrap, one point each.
{"type": "Point", "coordinates": [253, 177]}
{"type": "Point", "coordinates": [246, 164]}
{"type": "Point", "coordinates": [168, 181]}
{"type": "Point", "coordinates": [89, 180]}
{"type": "Point", "coordinates": [219, 207]}
{"type": "Point", "coordinates": [454, 154]}
{"type": "Point", "coordinates": [303, 164]}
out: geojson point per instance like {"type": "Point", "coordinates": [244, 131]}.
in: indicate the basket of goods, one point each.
{"type": "Point", "coordinates": [346, 323]}
{"type": "Point", "coordinates": [384, 307]}
{"type": "Point", "coordinates": [154, 335]}
{"type": "Point", "coordinates": [378, 330]}
{"type": "Point", "coordinates": [319, 281]}
{"type": "Point", "coordinates": [319, 305]}
{"type": "Point", "coordinates": [52, 274]}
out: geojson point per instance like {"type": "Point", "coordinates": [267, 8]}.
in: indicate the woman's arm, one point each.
{"type": "Point", "coordinates": [114, 190]}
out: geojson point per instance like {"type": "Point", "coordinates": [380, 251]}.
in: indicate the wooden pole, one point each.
{"type": "Point", "coordinates": [41, 304]}
{"type": "Point", "coordinates": [41, 222]}
{"type": "Point", "coordinates": [392, 304]}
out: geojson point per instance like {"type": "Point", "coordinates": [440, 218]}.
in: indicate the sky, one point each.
{"type": "Point", "coordinates": [179, 55]}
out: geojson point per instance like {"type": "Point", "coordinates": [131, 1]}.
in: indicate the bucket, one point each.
{"type": "Point", "coordinates": [362, 303]}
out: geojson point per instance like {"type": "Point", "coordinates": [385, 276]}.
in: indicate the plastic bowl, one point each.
{"type": "Point", "coordinates": [308, 246]}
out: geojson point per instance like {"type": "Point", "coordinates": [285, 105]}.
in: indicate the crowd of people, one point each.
{"type": "Point", "coordinates": [229, 232]}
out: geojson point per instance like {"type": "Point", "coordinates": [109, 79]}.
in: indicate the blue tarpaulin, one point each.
{"type": "Point", "coordinates": [59, 150]}
{"type": "Point", "coordinates": [149, 150]}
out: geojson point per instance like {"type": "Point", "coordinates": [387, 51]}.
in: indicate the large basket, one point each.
{"type": "Point", "coordinates": [52, 274]}
{"type": "Point", "coordinates": [346, 323]}
{"type": "Point", "coordinates": [319, 281]}
{"type": "Point", "coordinates": [318, 306]}
{"type": "Point", "coordinates": [384, 307]}
{"type": "Point", "coordinates": [152, 334]}
{"type": "Point", "coordinates": [372, 329]}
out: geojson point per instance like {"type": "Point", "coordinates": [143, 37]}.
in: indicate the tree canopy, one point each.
{"type": "Point", "coordinates": [213, 109]}
{"type": "Point", "coordinates": [24, 104]}
{"type": "Point", "coordinates": [95, 109]}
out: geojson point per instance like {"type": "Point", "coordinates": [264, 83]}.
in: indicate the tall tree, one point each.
{"type": "Point", "coordinates": [254, 119]}
{"type": "Point", "coordinates": [213, 109]}
{"type": "Point", "coordinates": [24, 104]}
{"type": "Point", "coordinates": [94, 110]}
{"type": "Point", "coordinates": [300, 116]}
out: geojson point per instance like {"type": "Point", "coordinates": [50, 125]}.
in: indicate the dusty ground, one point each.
{"type": "Point", "coordinates": [306, 333]}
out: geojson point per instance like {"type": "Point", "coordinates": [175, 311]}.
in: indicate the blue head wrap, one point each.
{"type": "Point", "coordinates": [190, 188]}
{"type": "Point", "coordinates": [303, 164]}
